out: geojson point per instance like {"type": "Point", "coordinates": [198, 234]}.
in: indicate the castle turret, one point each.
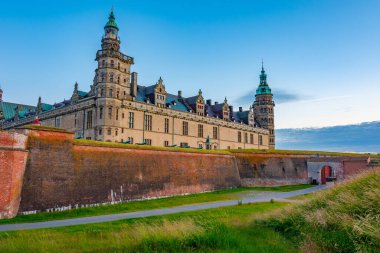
{"type": "Point", "coordinates": [263, 107]}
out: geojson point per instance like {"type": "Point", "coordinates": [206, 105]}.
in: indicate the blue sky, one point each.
{"type": "Point", "coordinates": [322, 56]}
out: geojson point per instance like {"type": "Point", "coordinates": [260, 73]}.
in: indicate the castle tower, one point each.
{"type": "Point", "coordinates": [112, 82]}
{"type": "Point", "coordinates": [263, 107]}
{"type": "Point", "coordinates": [112, 78]}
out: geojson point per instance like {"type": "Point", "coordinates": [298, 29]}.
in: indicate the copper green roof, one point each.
{"type": "Point", "coordinates": [111, 21]}
{"type": "Point", "coordinates": [263, 88]}
{"type": "Point", "coordinates": [9, 109]}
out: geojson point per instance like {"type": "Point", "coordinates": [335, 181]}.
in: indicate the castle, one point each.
{"type": "Point", "coordinates": [118, 109]}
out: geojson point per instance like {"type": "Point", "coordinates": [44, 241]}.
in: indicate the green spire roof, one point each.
{"type": "Point", "coordinates": [263, 88]}
{"type": "Point", "coordinates": [111, 21]}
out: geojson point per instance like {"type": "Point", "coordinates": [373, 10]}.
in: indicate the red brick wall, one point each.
{"type": "Point", "coordinates": [60, 174]}
{"type": "Point", "coordinates": [272, 169]}
{"type": "Point", "coordinates": [353, 167]}
{"type": "Point", "coordinates": [12, 166]}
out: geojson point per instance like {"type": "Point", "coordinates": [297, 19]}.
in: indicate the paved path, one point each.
{"type": "Point", "coordinates": [156, 212]}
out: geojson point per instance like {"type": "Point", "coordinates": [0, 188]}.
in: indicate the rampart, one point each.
{"type": "Point", "coordinates": [47, 168]}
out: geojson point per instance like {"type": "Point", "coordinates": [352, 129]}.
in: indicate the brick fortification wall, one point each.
{"type": "Point", "coordinates": [61, 173]}
{"type": "Point", "coordinates": [272, 169]}
{"type": "Point", "coordinates": [12, 165]}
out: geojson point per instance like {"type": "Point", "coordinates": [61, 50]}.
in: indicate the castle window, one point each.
{"type": "Point", "coordinates": [118, 65]}
{"type": "Point", "coordinates": [103, 77]}
{"type": "Point", "coordinates": [184, 144]}
{"type": "Point", "coordinates": [100, 112]}
{"type": "Point", "coordinates": [185, 128]}
{"type": "Point", "coordinates": [103, 63]}
{"type": "Point", "coordinates": [112, 64]}
{"type": "Point", "coordinates": [116, 132]}
{"type": "Point", "coordinates": [117, 94]}
{"type": "Point", "coordinates": [245, 137]}
{"type": "Point", "coordinates": [260, 140]}
{"type": "Point", "coordinates": [166, 143]}
{"type": "Point", "coordinates": [239, 136]}
{"type": "Point", "coordinates": [215, 132]}
{"type": "Point", "coordinates": [131, 119]}
{"type": "Point", "coordinates": [110, 112]}
{"type": "Point", "coordinates": [111, 92]}
{"type": "Point", "coordinates": [125, 80]}
{"type": "Point", "coordinates": [101, 92]}
{"type": "Point", "coordinates": [148, 141]}
{"type": "Point", "coordinates": [117, 113]}
{"type": "Point", "coordinates": [166, 125]}
{"type": "Point", "coordinates": [118, 79]}
{"type": "Point", "coordinates": [122, 130]}
{"type": "Point", "coordinates": [111, 77]}
{"type": "Point", "coordinates": [148, 122]}
{"type": "Point", "coordinates": [109, 131]}
{"type": "Point", "coordinates": [251, 138]}
{"type": "Point", "coordinates": [100, 131]}
{"type": "Point", "coordinates": [200, 145]}
{"type": "Point", "coordinates": [200, 130]}
{"type": "Point", "coordinates": [58, 122]}
{"type": "Point", "coordinates": [89, 119]}
{"type": "Point", "coordinates": [130, 140]}
{"type": "Point", "coordinates": [122, 115]}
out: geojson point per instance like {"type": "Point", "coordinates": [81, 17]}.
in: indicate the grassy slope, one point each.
{"type": "Point", "coordinates": [343, 219]}
{"type": "Point", "coordinates": [217, 230]}
{"type": "Point", "coordinates": [149, 204]}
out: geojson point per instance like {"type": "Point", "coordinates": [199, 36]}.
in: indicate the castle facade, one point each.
{"type": "Point", "coordinates": [118, 109]}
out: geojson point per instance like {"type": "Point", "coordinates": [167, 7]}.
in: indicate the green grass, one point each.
{"type": "Point", "coordinates": [226, 229]}
{"type": "Point", "coordinates": [300, 152]}
{"type": "Point", "coordinates": [132, 206]}
{"type": "Point", "coordinates": [83, 142]}
{"type": "Point", "coordinates": [343, 219]}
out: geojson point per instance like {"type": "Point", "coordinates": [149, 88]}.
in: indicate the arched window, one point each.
{"type": "Point", "coordinates": [118, 79]}
{"type": "Point", "coordinates": [111, 77]}
{"type": "Point", "coordinates": [112, 64]}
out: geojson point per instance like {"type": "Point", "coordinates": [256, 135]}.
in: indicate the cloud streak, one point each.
{"type": "Point", "coordinates": [282, 96]}
{"type": "Point", "coordinates": [279, 96]}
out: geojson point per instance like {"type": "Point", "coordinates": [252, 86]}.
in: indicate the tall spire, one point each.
{"type": "Point", "coordinates": [111, 21]}
{"type": "Point", "coordinates": [263, 76]}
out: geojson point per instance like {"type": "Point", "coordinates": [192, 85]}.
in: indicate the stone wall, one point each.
{"type": "Point", "coordinates": [12, 165]}
{"type": "Point", "coordinates": [272, 169]}
{"type": "Point", "coordinates": [61, 173]}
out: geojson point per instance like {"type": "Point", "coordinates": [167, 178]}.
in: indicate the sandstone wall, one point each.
{"type": "Point", "coordinates": [12, 165]}
{"type": "Point", "coordinates": [60, 173]}
{"type": "Point", "coordinates": [272, 169]}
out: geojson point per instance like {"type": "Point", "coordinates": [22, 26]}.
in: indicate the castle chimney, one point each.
{"type": "Point", "coordinates": [240, 109]}
{"type": "Point", "coordinates": [134, 84]}
{"type": "Point", "coordinates": [180, 93]}
{"type": "Point", "coordinates": [208, 102]}
{"type": "Point", "coordinates": [231, 108]}
{"type": "Point", "coordinates": [216, 103]}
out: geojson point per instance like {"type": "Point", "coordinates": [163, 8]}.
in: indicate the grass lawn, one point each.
{"type": "Point", "coordinates": [132, 206]}
{"type": "Point", "coordinates": [228, 229]}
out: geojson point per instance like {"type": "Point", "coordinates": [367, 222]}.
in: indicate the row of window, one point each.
{"type": "Point", "coordinates": [111, 94]}
{"type": "Point", "coordinates": [111, 78]}
{"type": "Point", "coordinates": [112, 65]}
{"type": "Point", "coordinates": [251, 138]}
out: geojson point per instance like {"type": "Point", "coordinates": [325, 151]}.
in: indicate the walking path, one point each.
{"type": "Point", "coordinates": [156, 212]}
